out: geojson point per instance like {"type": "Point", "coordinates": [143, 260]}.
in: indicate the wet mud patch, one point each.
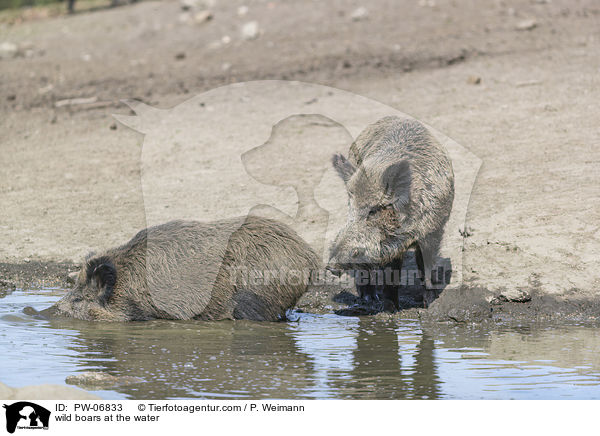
{"type": "Point", "coordinates": [99, 380]}
{"type": "Point", "coordinates": [35, 274]}
{"type": "Point", "coordinates": [467, 304]}
{"type": "Point", "coordinates": [476, 305]}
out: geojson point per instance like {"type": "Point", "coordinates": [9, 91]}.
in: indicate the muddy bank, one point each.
{"type": "Point", "coordinates": [467, 304]}
{"type": "Point", "coordinates": [463, 305]}
{"type": "Point", "coordinates": [35, 274]}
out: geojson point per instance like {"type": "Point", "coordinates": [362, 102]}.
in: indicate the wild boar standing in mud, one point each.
{"type": "Point", "coordinates": [194, 270]}
{"type": "Point", "coordinates": [400, 185]}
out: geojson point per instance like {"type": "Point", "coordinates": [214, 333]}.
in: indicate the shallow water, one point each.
{"type": "Point", "coordinates": [324, 356]}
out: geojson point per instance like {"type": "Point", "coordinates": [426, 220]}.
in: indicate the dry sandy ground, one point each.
{"type": "Point", "coordinates": [516, 82]}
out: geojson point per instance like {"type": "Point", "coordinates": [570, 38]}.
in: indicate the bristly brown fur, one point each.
{"type": "Point", "coordinates": [401, 188]}
{"type": "Point", "coordinates": [188, 269]}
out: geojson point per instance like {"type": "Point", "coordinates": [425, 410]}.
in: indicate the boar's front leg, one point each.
{"type": "Point", "coordinates": [366, 289]}
{"type": "Point", "coordinates": [426, 257]}
{"type": "Point", "coordinates": [393, 273]}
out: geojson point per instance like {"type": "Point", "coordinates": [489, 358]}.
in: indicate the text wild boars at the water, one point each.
{"type": "Point", "coordinates": [400, 186]}
{"type": "Point", "coordinates": [194, 270]}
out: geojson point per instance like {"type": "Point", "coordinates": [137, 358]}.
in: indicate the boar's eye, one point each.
{"type": "Point", "coordinates": [375, 210]}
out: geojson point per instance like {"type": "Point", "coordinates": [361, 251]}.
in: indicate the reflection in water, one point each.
{"type": "Point", "coordinates": [425, 379]}
{"type": "Point", "coordinates": [206, 360]}
{"type": "Point", "coordinates": [377, 372]}
{"type": "Point", "coordinates": [328, 342]}
{"type": "Point", "coordinates": [317, 357]}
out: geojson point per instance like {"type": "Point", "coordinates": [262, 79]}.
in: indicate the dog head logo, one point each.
{"type": "Point", "coordinates": [264, 148]}
{"type": "Point", "coordinates": [26, 415]}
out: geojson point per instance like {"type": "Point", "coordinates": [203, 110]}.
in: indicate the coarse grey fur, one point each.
{"type": "Point", "coordinates": [400, 186]}
{"type": "Point", "coordinates": [191, 270]}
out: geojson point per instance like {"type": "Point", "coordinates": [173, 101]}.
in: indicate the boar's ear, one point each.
{"type": "Point", "coordinates": [102, 275]}
{"type": "Point", "coordinates": [396, 182]}
{"type": "Point", "coordinates": [343, 167]}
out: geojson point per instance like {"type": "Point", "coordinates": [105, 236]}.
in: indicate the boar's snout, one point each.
{"type": "Point", "coordinates": [341, 260]}
{"type": "Point", "coordinates": [356, 247]}
{"type": "Point", "coordinates": [333, 270]}
{"type": "Point", "coordinates": [49, 313]}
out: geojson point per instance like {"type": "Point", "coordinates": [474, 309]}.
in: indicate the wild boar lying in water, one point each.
{"type": "Point", "coordinates": [240, 268]}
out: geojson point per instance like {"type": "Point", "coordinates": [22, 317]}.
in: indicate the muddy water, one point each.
{"type": "Point", "coordinates": [315, 357]}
